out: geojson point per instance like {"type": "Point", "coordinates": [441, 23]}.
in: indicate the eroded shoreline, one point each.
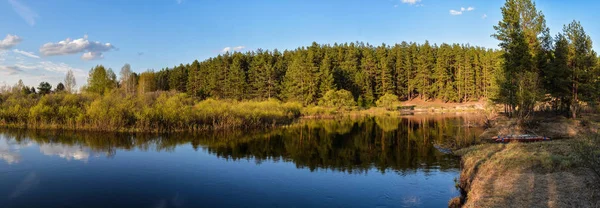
{"type": "Point", "coordinates": [541, 174]}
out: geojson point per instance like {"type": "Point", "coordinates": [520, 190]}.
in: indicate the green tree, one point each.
{"type": "Point", "coordinates": [235, 82]}
{"type": "Point", "coordinates": [44, 88]}
{"type": "Point", "coordinates": [101, 80]}
{"type": "Point", "coordinates": [60, 87]}
{"type": "Point", "coordinates": [519, 34]}
{"type": "Point", "coordinates": [300, 82]}
{"type": "Point", "coordinates": [581, 63]}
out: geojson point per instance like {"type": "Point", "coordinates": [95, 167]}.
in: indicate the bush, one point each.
{"type": "Point", "coordinates": [337, 99]}
{"type": "Point", "coordinates": [155, 111]}
{"type": "Point", "coordinates": [588, 150]}
{"type": "Point", "coordinates": [388, 101]}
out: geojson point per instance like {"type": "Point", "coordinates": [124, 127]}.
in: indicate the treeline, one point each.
{"type": "Point", "coordinates": [451, 73]}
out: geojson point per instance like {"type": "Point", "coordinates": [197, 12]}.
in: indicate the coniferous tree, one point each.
{"type": "Point", "coordinates": [44, 88]}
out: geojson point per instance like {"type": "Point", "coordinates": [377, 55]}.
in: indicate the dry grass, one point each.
{"type": "Point", "coordinates": [545, 174]}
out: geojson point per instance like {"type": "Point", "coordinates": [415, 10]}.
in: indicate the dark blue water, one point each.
{"type": "Point", "coordinates": [346, 163]}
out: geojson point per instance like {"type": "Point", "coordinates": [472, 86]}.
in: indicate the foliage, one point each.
{"type": "Point", "coordinates": [101, 80]}
{"type": "Point", "coordinates": [159, 111]}
{"type": "Point", "coordinates": [60, 87]}
{"type": "Point", "coordinates": [388, 101]}
{"type": "Point", "coordinates": [44, 88]}
{"type": "Point", "coordinates": [588, 149]}
{"type": "Point", "coordinates": [451, 73]}
{"type": "Point", "coordinates": [338, 99]}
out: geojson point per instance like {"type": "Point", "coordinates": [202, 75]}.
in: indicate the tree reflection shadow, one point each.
{"type": "Point", "coordinates": [400, 145]}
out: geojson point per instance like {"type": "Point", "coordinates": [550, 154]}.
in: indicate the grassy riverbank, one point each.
{"type": "Point", "coordinates": [150, 112]}
{"type": "Point", "coordinates": [557, 173]}
{"type": "Point", "coordinates": [162, 112]}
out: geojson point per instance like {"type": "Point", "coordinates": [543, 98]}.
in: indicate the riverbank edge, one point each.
{"type": "Point", "coordinates": [557, 158]}
{"type": "Point", "coordinates": [308, 112]}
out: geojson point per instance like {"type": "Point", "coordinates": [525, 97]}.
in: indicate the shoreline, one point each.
{"type": "Point", "coordinates": [259, 123]}
{"type": "Point", "coordinates": [538, 174]}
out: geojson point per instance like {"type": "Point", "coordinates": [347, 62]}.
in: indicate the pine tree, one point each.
{"type": "Point", "coordinates": [300, 81]}
{"type": "Point", "coordinates": [326, 74]}
{"type": "Point", "coordinates": [234, 85]}
{"type": "Point", "coordinates": [384, 77]}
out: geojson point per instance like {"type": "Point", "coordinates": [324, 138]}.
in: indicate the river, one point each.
{"type": "Point", "coordinates": [361, 162]}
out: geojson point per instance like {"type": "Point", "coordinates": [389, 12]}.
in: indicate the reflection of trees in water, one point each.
{"type": "Point", "coordinates": [349, 145]}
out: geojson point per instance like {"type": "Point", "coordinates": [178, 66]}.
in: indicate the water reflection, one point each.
{"type": "Point", "coordinates": [313, 163]}
{"type": "Point", "coordinates": [64, 151]}
{"type": "Point", "coordinates": [9, 151]}
{"type": "Point", "coordinates": [346, 145]}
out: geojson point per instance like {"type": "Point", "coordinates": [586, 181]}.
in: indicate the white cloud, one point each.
{"type": "Point", "coordinates": [92, 56]}
{"type": "Point", "coordinates": [454, 12]}
{"type": "Point", "coordinates": [25, 12]}
{"type": "Point", "coordinates": [90, 49]}
{"type": "Point", "coordinates": [10, 70]}
{"type": "Point", "coordinates": [25, 53]}
{"type": "Point", "coordinates": [484, 16]}
{"type": "Point", "coordinates": [229, 49]}
{"type": "Point", "coordinates": [9, 41]}
{"type": "Point", "coordinates": [461, 11]}
{"type": "Point", "coordinates": [410, 1]}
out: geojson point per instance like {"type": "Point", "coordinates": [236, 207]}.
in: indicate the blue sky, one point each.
{"type": "Point", "coordinates": [153, 34]}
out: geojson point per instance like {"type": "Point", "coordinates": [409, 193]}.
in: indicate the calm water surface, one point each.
{"type": "Point", "coordinates": [367, 162]}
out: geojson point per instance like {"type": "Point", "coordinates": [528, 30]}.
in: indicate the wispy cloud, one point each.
{"type": "Point", "coordinates": [10, 70]}
{"type": "Point", "coordinates": [484, 16]}
{"type": "Point", "coordinates": [91, 49]}
{"type": "Point", "coordinates": [24, 11]}
{"type": "Point", "coordinates": [461, 11]}
{"type": "Point", "coordinates": [410, 1]}
{"type": "Point", "coordinates": [25, 53]}
{"type": "Point", "coordinates": [454, 12]}
{"type": "Point", "coordinates": [9, 41]}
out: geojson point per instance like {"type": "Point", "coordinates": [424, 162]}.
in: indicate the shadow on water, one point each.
{"type": "Point", "coordinates": [346, 145]}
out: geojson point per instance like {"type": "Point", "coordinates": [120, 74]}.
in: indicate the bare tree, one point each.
{"type": "Point", "coordinates": [70, 82]}
{"type": "Point", "coordinates": [127, 80]}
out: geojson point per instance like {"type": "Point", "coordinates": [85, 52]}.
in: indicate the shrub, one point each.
{"type": "Point", "coordinates": [338, 99]}
{"type": "Point", "coordinates": [388, 101]}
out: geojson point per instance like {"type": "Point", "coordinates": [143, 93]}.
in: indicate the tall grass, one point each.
{"type": "Point", "coordinates": [158, 111]}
